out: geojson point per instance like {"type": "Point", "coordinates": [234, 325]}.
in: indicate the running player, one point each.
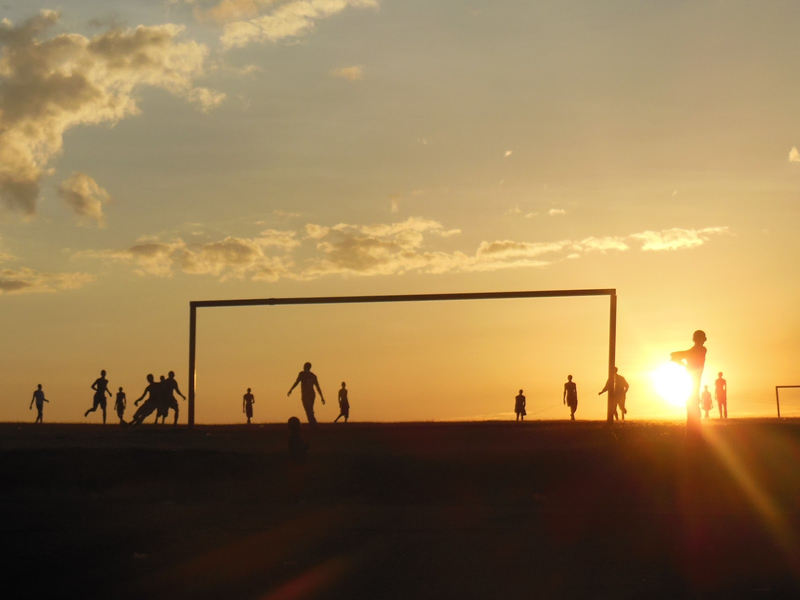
{"type": "Point", "coordinates": [100, 387]}
{"type": "Point", "coordinates": [150, 405]}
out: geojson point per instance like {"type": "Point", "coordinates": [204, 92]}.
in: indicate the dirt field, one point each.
{"type": "Point", "coordinates": [466, 510]}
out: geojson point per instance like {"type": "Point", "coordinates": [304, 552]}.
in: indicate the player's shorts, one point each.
{"type": "Point", "coordinates": [120, 411]}
{"type": "Point", "coordinates": [99, 400]}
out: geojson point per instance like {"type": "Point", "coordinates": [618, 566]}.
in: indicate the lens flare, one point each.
{"type": "Point", "coordinates": [673, 383]}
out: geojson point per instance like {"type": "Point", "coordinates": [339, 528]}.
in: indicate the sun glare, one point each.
{"type": "Point", "coordinates": [672, 383]}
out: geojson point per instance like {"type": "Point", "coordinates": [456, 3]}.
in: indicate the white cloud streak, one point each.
{"type": "Point", "coordinates": [48, 86]}
{"type": "Point", "coordinates": [354, 73]}
{"type": "Point", "coordinates": [283, 20]}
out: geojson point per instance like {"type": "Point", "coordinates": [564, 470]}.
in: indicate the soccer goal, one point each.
{"type": "Point", "coordinates": [778, 388]}
{"type": "Point", "coordinates": [195, 305]}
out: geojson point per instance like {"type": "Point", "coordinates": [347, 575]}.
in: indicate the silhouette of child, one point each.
{"type": "Point", "coordinates": [721, 395]}
{"type": "Point", "coordinates": [247, 405]}
{"type": "Point", "coordinates": [344, 404]}
{"type": "Point", "coordinates": [706, 398]}
{"type": "Point", "coordinates": [519, 406]}
{"type": "Point", "coordinates": [694, 359]}
{"type": "Point", "coordinates": [38, 396]}
{"type": "Point", "coordinates": [119, 405]}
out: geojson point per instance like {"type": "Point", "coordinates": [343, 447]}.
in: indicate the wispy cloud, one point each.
{"type": "Point", "coordinates": [507, 153]}
{"type": "Point", "coordinates": [554, 212]}
{"type": "Point", "coordinates": [24, 280]}
{"type": "Point", "coordinates": [412, 245]}
{"type": "Point", "coordinates": [84, 197]}
{"type": "Point", "coordinates": [354, 73]}
{"type": "Point", "coordinates": [794, 155]}
{"type": "Point", "coordinates": [275, 21]}
{"type": "Point", "coordinates": [48, 86]}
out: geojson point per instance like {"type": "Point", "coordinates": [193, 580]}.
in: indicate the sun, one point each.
{"type": "Point", "coordinates": [673, 383]}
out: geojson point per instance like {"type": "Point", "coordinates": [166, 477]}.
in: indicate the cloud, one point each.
{"type": "Point", "coordinates": [344, 249]}
{"type": "Point", "coordinates": [283, 20]}
{"type": "Point", "coordinates": [85, 197]}
{"type": "Point", "coordinates": [229, 258]}
{"type": "Point", "coordinates": [394, 204]}
{"type": "Point", "coordinates": [24, 280]}
{"type": "Point", "coordinates": [676, 238]}
{"type": "Point", "coordinates": [48, 86]}
{"type": "Point", "coordinates": [556, 211]}
{"type": "Point", "coordinates": [354, 73]}
{"type": "Point", "coordinates": [794, 155]}
{"type": "Point", "coordinates": [508, 153]}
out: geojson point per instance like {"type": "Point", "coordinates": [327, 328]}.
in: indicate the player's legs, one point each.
{"type": "Point", "coordinates": [40, 415]}
{"type": "Point", "coordinates": [308, 406]}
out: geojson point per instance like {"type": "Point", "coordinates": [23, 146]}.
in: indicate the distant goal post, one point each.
{"type": "Point", "coordinates": [778, 388]}
{"type": "Point", "coordinates": [194, 305]}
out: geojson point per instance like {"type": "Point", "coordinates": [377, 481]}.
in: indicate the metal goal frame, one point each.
{"type": "Point", "coordinates": [194, 305]}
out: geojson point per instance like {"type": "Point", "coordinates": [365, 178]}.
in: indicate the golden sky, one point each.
{"type": "Point", "coordinates": [159, 152]}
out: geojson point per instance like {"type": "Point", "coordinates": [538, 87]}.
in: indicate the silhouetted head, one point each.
{"type": "Point", "coordinates": [150, 377]}
{"type": "Point", "coordinates": [520, 391]}
{"type": "Point", "coordinates": [307, 367]}
{"type": "Point", "coordinates": [343, 384]}
{"type": "Point", "coordinates": [699, 337]}
{"type": "Point", "coordinates": [719, 374]}
{"type": "Point", "coordinates": [120, 389]}
{"type": "Point", "coordinates": [248, 390]}
{"type": "Point", "coordinates": [171, 374]}
{"type": "Point", "coordinates": [706, 387]}
{"type": "Point", "coordinates": [616, 370]}
{"type": "Point", "coordinates": [39, 386]}
{"type": "Point", "coordinates": [569, 377]}
{"type": "Point", "coordinates": [103, 373]}
{"type": "Point", "coordinates": [162, 378]}
{"type": "Point", "coordinates": [294, 425]}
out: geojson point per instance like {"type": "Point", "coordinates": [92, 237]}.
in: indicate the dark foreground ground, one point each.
{"type": "Point", "coordinates": [460, 510]}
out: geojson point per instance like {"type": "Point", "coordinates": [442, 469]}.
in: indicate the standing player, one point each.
{"type": "Point", "coordinates": [519, 406]}
{"type": "Point", "coordinates": [721, 395]}
{"type": "Point", "coordinates": [120, 404]}
{"type": "Point", "coordinates": [344, 404]}
{"type": "Point", "coordinates": [694, 359]}
{"type": "Point", "coordinates": [308, 381]}
{"type": "Point", "coordinates": [705, 398]}
{"type": "Point", "coordinates": [170, 386]}
{"type": "Point", "coordinates": [617, 388]}
{"type": "Point", "coordinates": [247, 405]}
{"type": "Point", "coordinates": [38, 396]}
{"type": "Point", "coordinates": [571, 396]}
{"type": "Point", "coordinates": [100, 387]}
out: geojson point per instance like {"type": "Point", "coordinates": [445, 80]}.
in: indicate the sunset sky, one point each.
{"type": "Point", "coordinates": [163, 151]}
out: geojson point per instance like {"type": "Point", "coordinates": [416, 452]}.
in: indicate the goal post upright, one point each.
{"type": "Point", "coordinates": [778, 398]}
{"type": "Point", "coordinates": [195, 304]}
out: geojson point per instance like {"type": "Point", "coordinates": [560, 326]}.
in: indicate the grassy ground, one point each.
{"type": "Point", "coordinates": [458, 510]}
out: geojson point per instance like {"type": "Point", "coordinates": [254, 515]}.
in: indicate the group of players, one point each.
{"type": "Point", "coordinates": [160, 398]}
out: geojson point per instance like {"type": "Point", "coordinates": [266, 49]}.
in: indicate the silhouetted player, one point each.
{"type": "Point", "coordinates": [618, 390]}
{"type": "Point", "coordinates": [170, 387]}
{"type": "Point", "coordinates": [308, 381]}
{"type": "Point", "coordinates": [247, 405]}
{"type": "Point", "coordinates": [571, 396]}
{"type": "Point", "coordinates": [721, 395]}
{"type": "Point", "coordinates": [705, 398]}
{"type": "Point", "coordinates": [297, 447]}
{"type": "Point", "coordinates": [38, 397]}
{"type": "Point", "coordinates": [519, 406]}
{"type": "Point", "coordinates": [344, 404]}
{"type": "Point", "coordinates": [162, 410]}
{"type": "Point", "coordinates": [152, 391]}
{"type": "Point", "coordinates": [100, 387]}
{"type": "Point", "coordinates": [694, 359]}
{"type": "Point", "coordinates": [120, 404]}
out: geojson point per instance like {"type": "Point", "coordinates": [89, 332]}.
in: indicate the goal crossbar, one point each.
{"type": "Point", "coordinates": [194, 305]}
